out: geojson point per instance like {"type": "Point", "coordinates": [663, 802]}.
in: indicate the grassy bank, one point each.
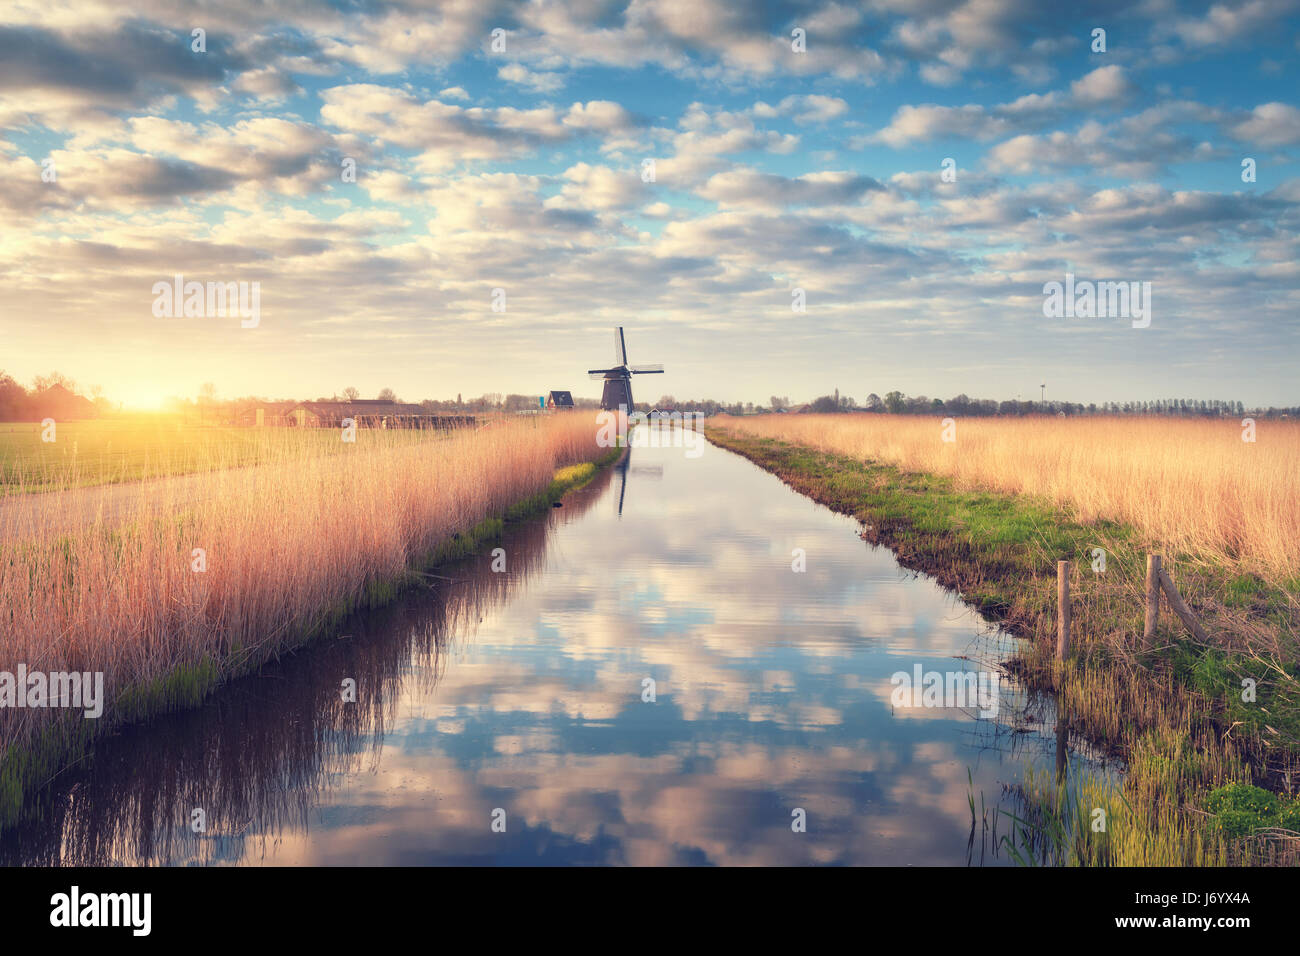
{"type": "Point", "coordinates": [290, 549]}
{"type": "Point", "coordinates": [1175, 712]}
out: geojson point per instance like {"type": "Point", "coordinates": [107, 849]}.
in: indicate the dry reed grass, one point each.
{"type": "Point", "coordinates": [290, 544]}
{"type": "Point", "coordinates": [1191, 485]}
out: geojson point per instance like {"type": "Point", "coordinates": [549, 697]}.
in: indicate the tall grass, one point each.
{"type": "Point", "coordinates": [1192, 485]}
{"type": "Point", "coordinates": [290, 546]}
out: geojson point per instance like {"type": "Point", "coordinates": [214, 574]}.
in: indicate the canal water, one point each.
{"type": "Point", "coordinates": [687, 663]}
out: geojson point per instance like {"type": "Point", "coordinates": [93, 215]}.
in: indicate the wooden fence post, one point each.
{"type": "Point", "coordinates": [1062, 609]}
{"type": "Point", "coordinates": [1181, 609]}
{"type": "Point", "coordinates": [1153, 600]}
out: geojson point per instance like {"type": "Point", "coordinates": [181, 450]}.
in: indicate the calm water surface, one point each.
{"type": "Point", "coordinates": [521, 693]}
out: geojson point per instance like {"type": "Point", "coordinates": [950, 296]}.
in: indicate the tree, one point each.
{"type": "Point", "coordinates": [207, 395]}
{"type": "Point", "coordinates": [387, 395]}
{"type": "Point", "coordinates": [874, 404]}
{"type": "Point", "coordinates": [13, 399]}
{"type": "Point", "coordinates": [352, 393]}
{"type": "Point", "coordinates": [894, 402]}
{"type": "Point", "coordinates": [101, 401]}
{"type": "Point", "coordinates": [779, 402]}
{"type": "Point", "coordinates": [42, 382]}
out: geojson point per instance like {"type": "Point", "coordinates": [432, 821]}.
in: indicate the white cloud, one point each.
{"type": "Point", "coordinates": [538, 82]}
{"type": "Point", "coordinates": [1269, 124]}
{"type": "Point", "coordinates": [1106, 84]}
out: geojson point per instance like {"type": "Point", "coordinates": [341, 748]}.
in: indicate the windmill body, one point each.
{"type": "Point", "coordinates": [618, 380]}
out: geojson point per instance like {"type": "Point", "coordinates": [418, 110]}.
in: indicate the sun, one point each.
{"type": "Point", "coordinates": [143, 398]}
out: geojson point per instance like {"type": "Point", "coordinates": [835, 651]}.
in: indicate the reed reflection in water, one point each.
{"type": "Point", "coordinates": [524, 692]}
{"type": "Point", "coordinates": [260, 756]}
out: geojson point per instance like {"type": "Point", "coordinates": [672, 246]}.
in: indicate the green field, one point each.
{"type": "Point", "coordinates": [154, 446]}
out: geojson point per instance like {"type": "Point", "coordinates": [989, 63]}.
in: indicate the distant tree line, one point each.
{"type": "Point", "coordinates": [896, 403]}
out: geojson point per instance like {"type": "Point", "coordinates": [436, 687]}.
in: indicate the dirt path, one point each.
{"type": "Point", "coordinates": [37, 514]}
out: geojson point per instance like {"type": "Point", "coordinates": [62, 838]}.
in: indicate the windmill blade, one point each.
{"type": "Point", "coordinates": [600, 371]}
{"type": "Point", "coordinates": [597, 375]}
{"type": "Point", "coordinates": [645, 369]}
{"type": "Point", "coordinates": [620, 347]}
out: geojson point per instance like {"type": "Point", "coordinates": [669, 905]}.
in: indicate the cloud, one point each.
{"type": "Point", "coordinates": [539, 82]}
{"type": "Point", "coordinates": [1224, 24]}
{"type": "Point", "coordinates": [447, 134]}
{"type": "Point", "coordinates": [1106, 84]}
{"type": "Point", "coordinates": [112, 175]}
{"type": "Point", "coordinates": [924, 123]}
{"type": "Point", "coordinates": [749, 187]}
{"type": "Point", "coordinates": [804, 109]}
{"type": "Point", "coordinates": [600, 188]}
{"type": "Point", "coordinates": [268, 83]}
{"type": "Point", "coordinates": [1269, 124]}
{"type": "Point", "coordinates": [67, 78]}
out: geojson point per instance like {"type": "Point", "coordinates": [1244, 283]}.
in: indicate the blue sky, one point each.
{"type": "Point", "coordinates": [523, 170]}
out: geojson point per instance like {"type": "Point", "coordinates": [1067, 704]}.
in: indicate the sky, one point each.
{"type": "Point", "coordinates": [530, 175]}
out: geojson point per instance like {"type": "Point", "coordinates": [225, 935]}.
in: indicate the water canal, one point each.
{"type": "Point", "coordinates": [505, 717]}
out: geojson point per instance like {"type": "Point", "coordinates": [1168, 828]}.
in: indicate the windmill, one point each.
{"type": "Point", "coordinates": [618, 380]}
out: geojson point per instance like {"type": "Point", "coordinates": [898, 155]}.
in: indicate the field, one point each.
{"type": "Point", "coordinates": [150, 446]}
{"type": "Point", "coordinates": [991, 514]}
{"type": "Point", "coordinates": [1190, 485]}
{"type": "Point", "coordinates": [190, 585]}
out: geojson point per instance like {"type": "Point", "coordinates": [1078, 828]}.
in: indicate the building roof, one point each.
{"type": "Point", "coordinates": [367, 407]}
{"type": "Point", "coordinates": [561, 398]}
{"type": "Point", "coordinates": [281, 406]}
{"type": "Point", "coordinates": [59, 402]}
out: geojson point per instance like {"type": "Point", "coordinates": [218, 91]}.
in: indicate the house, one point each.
{"type": "Point", "coordinates": [263, 414]}
{"type": "Point", "coordinates": [371, 413]}
{"type": "Point", "coordinates": [803, 409]}
{"type": "Point", "coordinates": [58, 403]}
{"type": "Point", "coordinates": [560, 400]}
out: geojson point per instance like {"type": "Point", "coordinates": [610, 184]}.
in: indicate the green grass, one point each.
{"type": "Point", "coordinates": [1240, 810]}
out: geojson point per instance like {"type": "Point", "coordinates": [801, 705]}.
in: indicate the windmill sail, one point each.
{"type": "Point", "coordinates": [618, 380]}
